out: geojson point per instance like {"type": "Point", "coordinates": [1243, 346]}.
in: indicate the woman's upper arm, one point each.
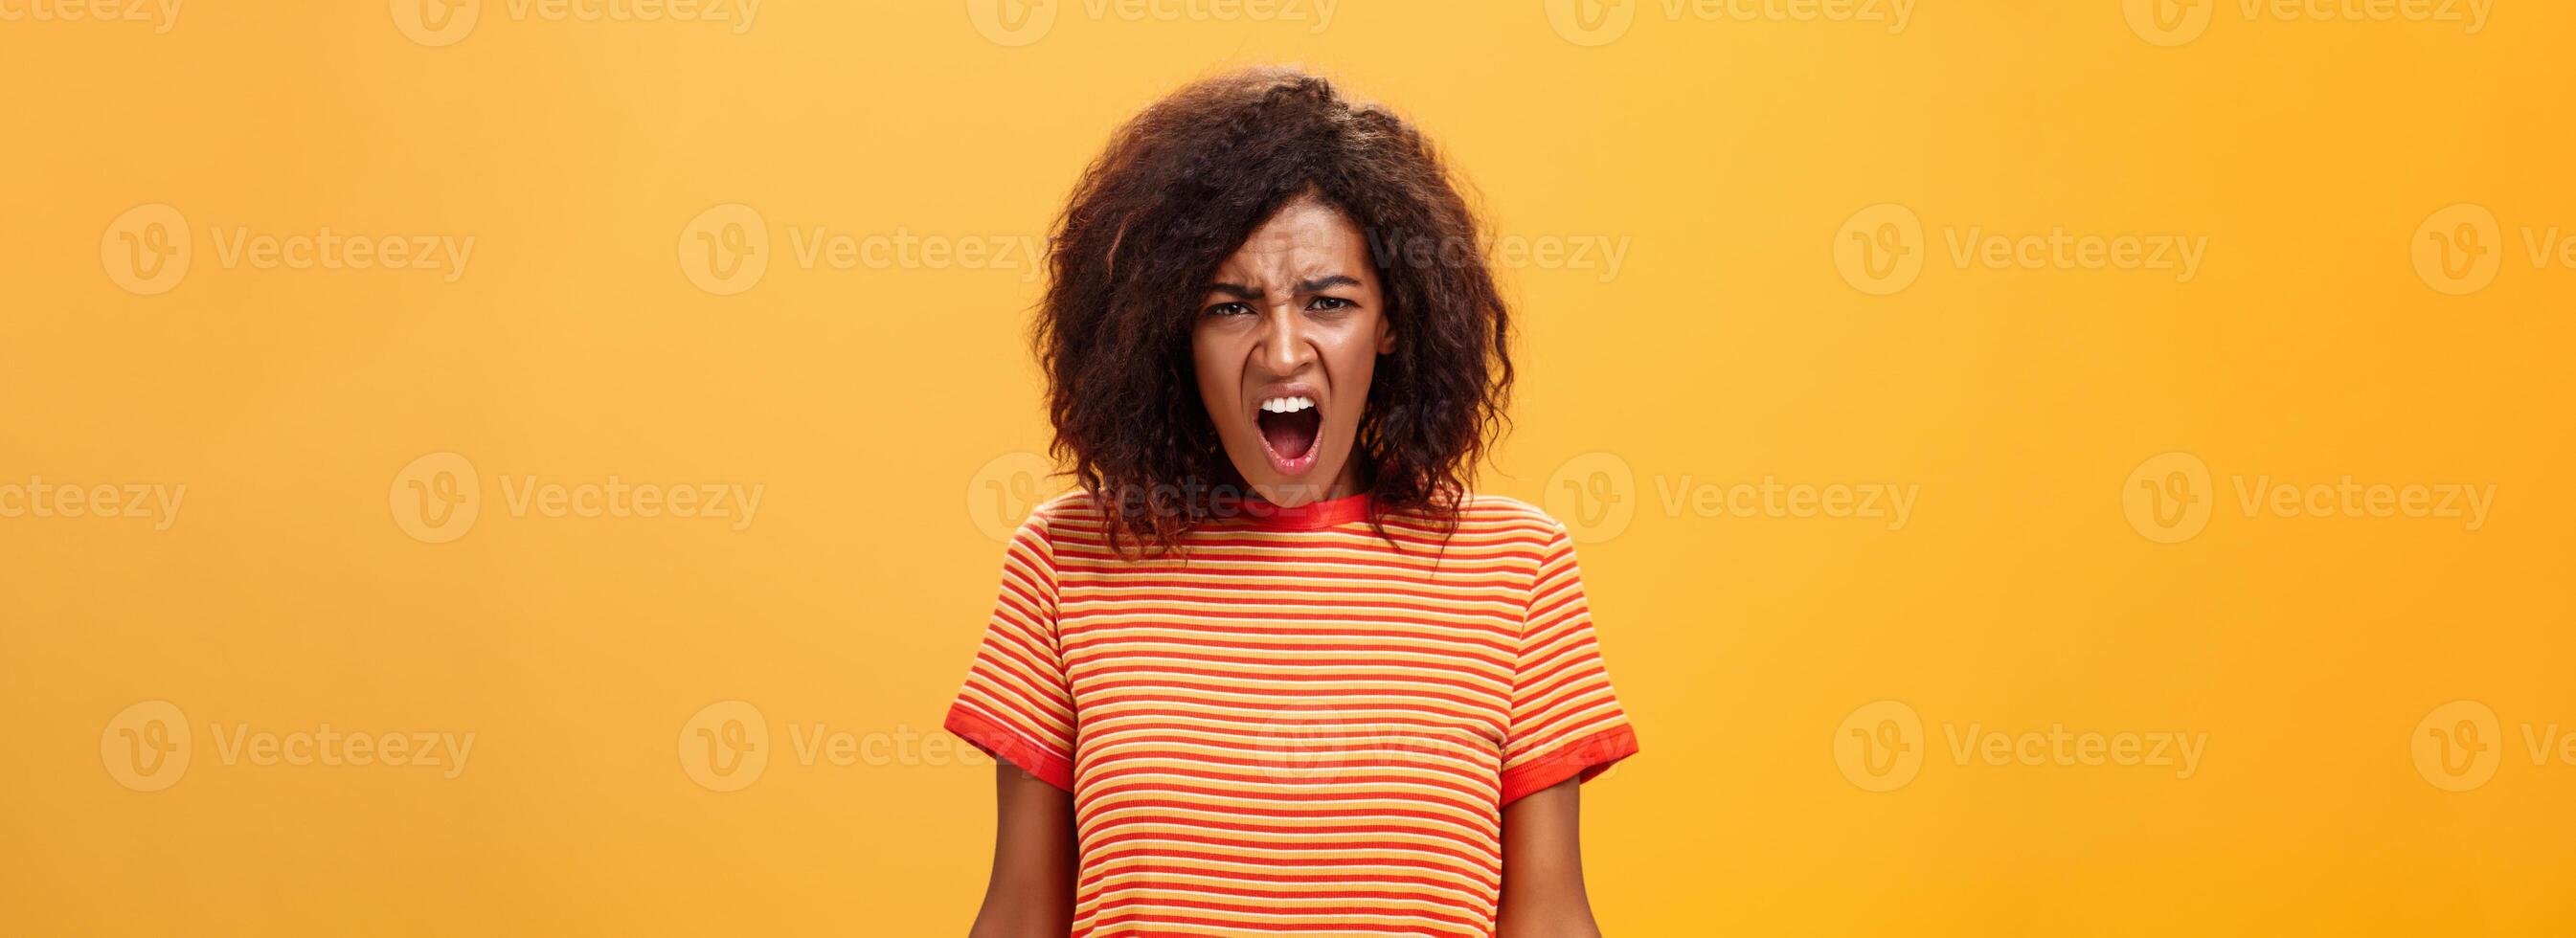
{"type": "Point", "coordinates": [1543, 866]}
{"type": "Point", "coordinates": [1034, 853]}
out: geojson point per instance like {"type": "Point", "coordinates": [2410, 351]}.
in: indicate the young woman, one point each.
{"type": "Point", "coordinates": [1272, 669]}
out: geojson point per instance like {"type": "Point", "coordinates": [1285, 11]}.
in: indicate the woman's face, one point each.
{"type": "Point", "coordinates": [1288, 335]}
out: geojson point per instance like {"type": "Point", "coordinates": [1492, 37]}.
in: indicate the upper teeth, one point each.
{"type": "Point", "coordinates": [1286, 405]}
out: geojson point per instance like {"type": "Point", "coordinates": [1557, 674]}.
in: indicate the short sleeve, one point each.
{"type": "Point", "coordinates": [1017, 704]}
{"type": "Point", "coordinates": [1565, 721]}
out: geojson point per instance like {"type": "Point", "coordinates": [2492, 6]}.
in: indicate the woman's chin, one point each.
{"type": "Point", "coordinates": [1292, 491]}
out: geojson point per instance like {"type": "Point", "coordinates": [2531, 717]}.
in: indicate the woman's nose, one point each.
{"type": "Point", "coordinates": [1284, 348]}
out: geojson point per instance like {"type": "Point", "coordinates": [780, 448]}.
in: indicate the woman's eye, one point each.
{"type": "Point", "coordinates": [1322, 303]}
{"type": "Point", "coordinates": [1227, 309]}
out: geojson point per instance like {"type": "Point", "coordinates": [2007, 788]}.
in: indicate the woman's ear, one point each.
{"type": "Point", "coordinates": [1386, 340]}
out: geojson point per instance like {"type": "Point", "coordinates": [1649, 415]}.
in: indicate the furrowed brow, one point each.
{"type": "Point", "coordinates": [1321, 284]}
{"type": "Point", "coordinates": [1236, 290]}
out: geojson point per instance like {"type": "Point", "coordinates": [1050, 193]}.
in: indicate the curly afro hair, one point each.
{"type": "Point", "coordinates": [1179, 189]}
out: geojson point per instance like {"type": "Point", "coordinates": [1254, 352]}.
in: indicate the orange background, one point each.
{"type": "Point", "coordinates": [616, 320]}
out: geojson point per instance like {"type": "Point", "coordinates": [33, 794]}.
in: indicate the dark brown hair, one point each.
{"type": "Point", "coordinates": [1178, 190]}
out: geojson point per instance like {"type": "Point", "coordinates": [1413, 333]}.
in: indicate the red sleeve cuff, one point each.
{"type": "Point", "coordinates": [1583, 757]}
{"type": "Point", "coordinates": [1000, 743]}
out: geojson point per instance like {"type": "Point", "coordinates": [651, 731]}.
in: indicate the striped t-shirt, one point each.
{"type": "Point", "coordinates": [1297, 728]}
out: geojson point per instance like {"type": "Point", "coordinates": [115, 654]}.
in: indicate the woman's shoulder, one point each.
{"type": "Point", "coordinates": [1074, 507]}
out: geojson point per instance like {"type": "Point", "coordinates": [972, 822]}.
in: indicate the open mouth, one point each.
{"type": "Point", "coordinates": [1289, 428]}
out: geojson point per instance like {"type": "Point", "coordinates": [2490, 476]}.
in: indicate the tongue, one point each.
{"type": "Point", "coordinates": [1291, 435]}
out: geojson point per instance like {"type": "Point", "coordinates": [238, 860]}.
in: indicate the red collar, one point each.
{"type": "Point", "coordinates": [1309, 516]}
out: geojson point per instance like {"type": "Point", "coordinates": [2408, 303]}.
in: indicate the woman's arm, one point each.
{"type": "Point", "coordinates": [1543, 867]}
{"type": "Point", "coordinates": [1034, 849]}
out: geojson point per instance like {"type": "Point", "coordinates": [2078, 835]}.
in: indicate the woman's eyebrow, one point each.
{"type": "Point", "coordinates": [1317, 285]}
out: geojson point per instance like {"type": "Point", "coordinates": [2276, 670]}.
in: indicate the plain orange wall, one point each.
{"type": "Point", "coordinates": [1753, 243]}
